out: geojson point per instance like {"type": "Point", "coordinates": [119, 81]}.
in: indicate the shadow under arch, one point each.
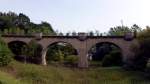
{"type": "Point", "coordinates": [102, 53]}
{"type": "Point", "coordinates": [18, 48]}
{"type": "Point", "coordinates": [57, 48]}
{"type": "Point", "coordinates": [35, 52]}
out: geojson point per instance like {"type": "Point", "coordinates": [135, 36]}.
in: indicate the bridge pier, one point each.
{"type": "Point", "coordinates": [43, 62]}
{"type": "Point", "coordinates": [83, 61]}
{"type": "Point", "coordinates": [82, 53]}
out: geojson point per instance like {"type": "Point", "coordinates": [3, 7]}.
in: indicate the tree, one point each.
{"type": "Point", "coordinates": [3, 24]}
{"type": "Point", "coordinates": [122, 30]}
{"type": "Point", "coordinates": [61, 52]}
{"type": "Point", "coordinates": [97, 32]}
{"type": "Point", "coordinates": [47, 28]}
{"type": "Point", "coordinates": [91, 33]}
{"type": "Point", "coordinates": [22, 21]}
{"type": "Point", "coordinates": [141, 51]}
{"type": "Point", "coordinates": [136, 28]}
{"type": "Point", "coordinates": [74, 33]}
{"type": "Point", "coordinates": [112, 59]}
{"type": "Point", "coordinates": [119, 31]}
{"type": "Point", "coordinates": [11, 21]}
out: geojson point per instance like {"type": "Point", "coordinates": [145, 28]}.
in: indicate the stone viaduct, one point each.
{"type": "Point", "coordinates": [82, 43]}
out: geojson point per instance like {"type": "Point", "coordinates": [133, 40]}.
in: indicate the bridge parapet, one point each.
{"type": "Point", "coordinates": [82, 36]}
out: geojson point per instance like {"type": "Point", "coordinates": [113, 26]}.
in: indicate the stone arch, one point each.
{"type": "Point", "coordinates": [110, 46]}
{"type": "Point", "coordinates": [70, 43]}
{"type": "Point", "coordinates": [17, 49]}
{"type": "Point", "coordinates": [10, 44]}
{"type": "Point", "coordinates": [107, 42]}
{"type": "Point", "coordinates": [44, 51]}
{"type": "Point", "coordinates": [115, 42]}
{"type": "Point", "coordinates": [8, 40]}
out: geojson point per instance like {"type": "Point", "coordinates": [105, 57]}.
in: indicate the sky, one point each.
{"type": "Point", "coordinates": [82, 15]}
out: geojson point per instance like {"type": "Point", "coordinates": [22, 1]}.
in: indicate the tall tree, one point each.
{"type": "Point", "coordinates": [22, 21]}
{"type": "Point", "coordinates": [11, 21]}
{"type": "Point", "coordinates": [46, 28]}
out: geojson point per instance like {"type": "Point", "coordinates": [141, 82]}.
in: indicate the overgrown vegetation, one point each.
{"type": "Point", "coordinates": [6, 78]}
{"type": "Point", "coordinates": [105, 54]}
{"type": "Point", "coordinates": [122, 30]}
{"type": "Point", "coordinates": [36, 74]}
{"type": "Point", "coordinates": [19, 24]}
{"type": "Point", "coordinates": [5, 54]}
{"type": "Point", "coordinates": [62, 53]}
{"type": "Point", "coordinates": [114, 58]}
{"type": "Point", "coordinates": [141, 50]}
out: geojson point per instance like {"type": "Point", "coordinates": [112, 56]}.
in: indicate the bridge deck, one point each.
{"type": "Point", "coordinates": [44, 36]}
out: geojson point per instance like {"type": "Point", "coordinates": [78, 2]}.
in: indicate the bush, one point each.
{"type": "Point", "coordinates": [141, 51]}
{"type": "Point", "coordinates": [5, 54]}
{"type": "Point", "coordinates": [141, 55]}
{"type": "Point", "coordinates": [57, 56]}
{"type": "Point", "coordinates": [72, 59]}
{"type": "Point", "coordinates": [112, 59]}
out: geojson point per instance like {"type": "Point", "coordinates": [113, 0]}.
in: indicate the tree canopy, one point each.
{"type": "Point", "coordinates": [122, 30]}
{"type": "Point", "coordinates": [12, 23]}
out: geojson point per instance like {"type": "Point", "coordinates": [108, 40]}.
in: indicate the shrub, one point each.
{"type": "Point", "coordinates": [56, 56]}
{"type": "Point", "coordinates": [5, 54]}
{"type": "Point", "coordinates": [141, 55]}
{"type": "Point", "coordinates": [141, 51]}
{"type": "Point", "coordinates": [112, 59]}
{"type": "Point", "coordinates": [71, 59]}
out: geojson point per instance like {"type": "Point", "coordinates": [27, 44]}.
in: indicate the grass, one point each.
{"type": "Point", "coordinates": [6, 78]}
{"type": "Point", "coordinates": [19, 73]}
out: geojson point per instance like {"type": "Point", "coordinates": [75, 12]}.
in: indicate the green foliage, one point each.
{"type": "Point", "coordinates": [118, 31]}
{"type": "Point", "coordinates": [11, 23]}
{"type": "Point", "coordinates": [59, 52]}
{"type": "Point", "coordinates": [141, 50]}
{"type": "Point", "coordinates": [112, 59]}
{"type": "Point", "coordinates": [58, 56]}
{"type": "Point", "coordinates": [6, 78]}
{"type": "Point", "coordinates": [122, 30]}
{"type": "Point", "coordinates": [6, 31]}
{"type": "Point", "coordinates": [136, 28]}
{"type": "Point", "coordinates": [5, 54]}
{"type": "Point", "coordinates": [72, 59]}
{"type": "Point", "coordinates": [36, 74]}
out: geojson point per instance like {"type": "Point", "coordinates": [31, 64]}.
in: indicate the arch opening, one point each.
{"type": "Point", "coordinates": [63, 53]}
{"type": "Point", "coordinates": [30, 53]}
{"type": "Point", "coordinates": [18, 48]}
{"type": "Point", "coordinates": [105, 54]}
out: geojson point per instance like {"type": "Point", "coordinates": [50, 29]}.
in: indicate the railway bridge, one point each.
{"type": "Point", "coordinates": [82, 43]}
